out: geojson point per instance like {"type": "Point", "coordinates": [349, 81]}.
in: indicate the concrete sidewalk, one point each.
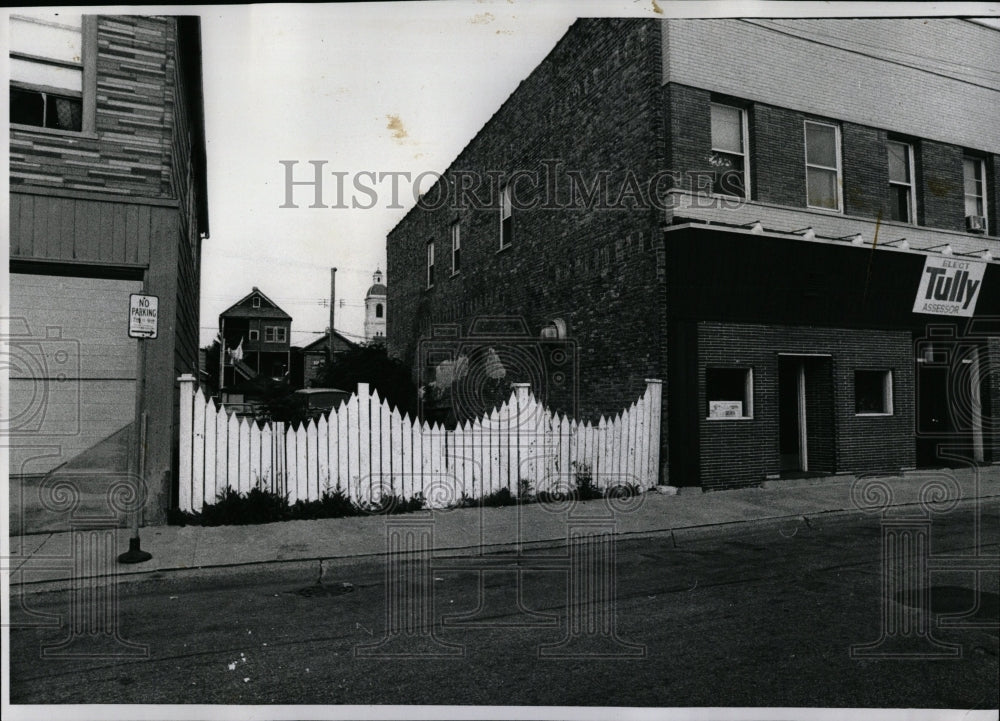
{"type": "Point", "coordinates": [46, 558]}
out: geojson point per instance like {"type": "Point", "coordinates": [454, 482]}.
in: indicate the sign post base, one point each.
{"type": "Point", "coordinates": [134, 554]}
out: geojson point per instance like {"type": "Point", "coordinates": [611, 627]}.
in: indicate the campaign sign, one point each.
{"type": "Point", "coordinates": [949, 286]}
{"type": "Point", "coordinates": [142, 316]}
{"type": "Point", "coordinates": [725, 409]}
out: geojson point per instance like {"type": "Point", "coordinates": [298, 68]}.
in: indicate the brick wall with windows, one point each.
{"type": "Point", "coordinates": [737, 453]}
{"type": "Point", "coordinates": [593, 105]}
{"type": "Point", "coordinates": [778, 161]}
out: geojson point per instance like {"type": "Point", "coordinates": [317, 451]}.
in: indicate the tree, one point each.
{"type": "Point", "coordinates": [371, 363]}
{"type": "Point", "coordinates": [212, 365]}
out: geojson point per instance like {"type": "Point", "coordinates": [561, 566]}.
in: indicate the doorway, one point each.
{"type": "Point", "coordinates": [951, 407]}
{"type": "Point", "coordinates": [806, 425]}
{"type": "Point", "coordinates": [793, 443]}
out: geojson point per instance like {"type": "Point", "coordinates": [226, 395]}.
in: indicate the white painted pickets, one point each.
{"type": "Point", "coordinates": [369, 450]}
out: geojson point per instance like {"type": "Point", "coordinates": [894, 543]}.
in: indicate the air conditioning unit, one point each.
{"type": "Point", "coordinates": [975, 223]}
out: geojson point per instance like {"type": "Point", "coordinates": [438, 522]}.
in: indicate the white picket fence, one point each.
{"type": "Point", "coordinates": [368, 450]}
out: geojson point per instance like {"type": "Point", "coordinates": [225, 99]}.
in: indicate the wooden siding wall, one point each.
{"type": "Point", "coordinates": [72, 229]}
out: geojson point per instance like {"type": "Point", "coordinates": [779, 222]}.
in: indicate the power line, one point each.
{"type": "Point", "coordinates": [815, 32]}
{"type": "Point", "coordinates": [868, 55]}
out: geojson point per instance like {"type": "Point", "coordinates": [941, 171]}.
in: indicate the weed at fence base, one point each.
{"type": "Point", "coordinates": [264, 506]}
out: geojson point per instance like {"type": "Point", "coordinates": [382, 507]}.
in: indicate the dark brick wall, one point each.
{"type": "Point", "coordinates": [991, 389]}
{"type": "Point", "coordinates": [593, 105]}
{"type": "Point", "coordinates": [941, 186]}
{"type": "Point", "coordinates": [689, 123]}
{"type": "Point", "coordinates": [778, 160]}
{"type": "Point", "coordinates": [993, 199]}
{"type": "Point", "coordinates": [866, 171]}
{"type": "Point", "coordinates": [741, 453]}
{"type": "Point", "coordinates": [821, 426]}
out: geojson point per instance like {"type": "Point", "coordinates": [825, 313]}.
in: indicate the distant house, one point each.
{"type": "Point", "coordinates": [256, 335]}
{"type": "Point", "coordinates": [306, 362]}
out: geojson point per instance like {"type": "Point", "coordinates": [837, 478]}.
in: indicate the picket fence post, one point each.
{"type": "Point", "coordinates": [654, 388]}
{"type": "Point", "coordinates": [185, 461]}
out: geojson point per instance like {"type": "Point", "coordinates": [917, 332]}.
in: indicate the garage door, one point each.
{"type": "Point", "coordinates": [72, 367]}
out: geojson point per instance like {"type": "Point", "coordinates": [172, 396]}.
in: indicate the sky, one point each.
{"type": "Point", "coordinates": [383, 88]}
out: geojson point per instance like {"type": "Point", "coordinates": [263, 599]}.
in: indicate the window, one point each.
{"type": "Point", "coordinates": [256, 301]}
{"type": "Point", "coordinates": [269, 334]}
{"type": "Point", "coordinates": [279, 334]}
{"type": "Point", "coordinates": [430, 264]}
{"type": "Point", "coordinates": [506, 218]}
{"type": "Point", "coordinates": [729, 150]}
{"type": "Point", "coordinates": [822, 166]}
{"type": "Point", "coordinates": [456, 247]}
{"type": "Point", "coordinates": [902, 198]}
{"type": "Point", "coordinates": [974, 170]}
{"type": "Point", "coordinates": [255, 335]}
{"type": "Point", "coordinates": [873, 392]}
{"type": "Point", "coordinates": [378, 310]}
{"type": "Point", "coordinates": [47, 72]}
{"type": "Point", "coordinates": [729, 392]}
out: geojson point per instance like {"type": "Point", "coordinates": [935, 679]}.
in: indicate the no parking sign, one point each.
{"type": "Point", "coordinates": [142, 315]}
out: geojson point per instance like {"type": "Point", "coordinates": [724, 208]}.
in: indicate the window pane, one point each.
{"type": "Point", "coordinates": [822, 188]}
{"type": "Point", "coordinates": [973, 205]}
{"type": "Point", "coordinates": [973, 176]}
{"type": "Point", "coordinates": [51, 76]}
{"type": "Point", "coordinates": [59, 40]}
{"type": "Point", "coordinates": [64, 113]}
{"type": "Point", "coordinates": [26, 107]}
{"type": "Point", "coordinates": [899, 162]}
{"type": "Point", "coordinates": [726, 392]}
{"type": "Point", "coordinates": [870, 391]}
{"type": "Point", "coordinates": [899, 199]}
{"type": "Point", "coordinates": [730, 179]}
{"type": "Point", "coordinates": [821, 145]}
{"type": "Point", "coordinates": [727, 129]}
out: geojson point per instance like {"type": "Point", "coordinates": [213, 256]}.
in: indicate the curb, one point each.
{"type": "Point", "coordinates": [679, 535]}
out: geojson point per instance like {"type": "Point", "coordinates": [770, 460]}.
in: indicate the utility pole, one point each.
{"type": "Point", "coordinates": [222, 357]}
{"type": "Point", "coordinates": [333, 301]}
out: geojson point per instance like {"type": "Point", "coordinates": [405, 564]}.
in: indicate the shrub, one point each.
{"type": "Point", "coordinates": [262, 506]}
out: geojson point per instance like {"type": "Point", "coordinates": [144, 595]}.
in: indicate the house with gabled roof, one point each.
{"type": "Point", "coordinates": [308, 360]}
{"type": "Point", "coordinates": [256, 337]}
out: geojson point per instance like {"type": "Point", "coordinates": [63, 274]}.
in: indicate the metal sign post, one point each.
{"type": "Point", "coordinates": [142, 324]}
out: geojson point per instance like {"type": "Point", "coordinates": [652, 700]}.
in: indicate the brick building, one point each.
{"type": "Point", "coordinates": [107, 198]}
{"type": "Point", "coordinates": [749, 210]}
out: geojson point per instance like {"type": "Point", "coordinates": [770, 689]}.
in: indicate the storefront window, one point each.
{"type": "Point", "coordinates": [872, 392]}
{"type": "Point", "coordinates": [729, 392]}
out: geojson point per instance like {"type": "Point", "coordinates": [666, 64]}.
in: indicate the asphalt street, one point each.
{"type": "Point", "coordinates": [761, 615]}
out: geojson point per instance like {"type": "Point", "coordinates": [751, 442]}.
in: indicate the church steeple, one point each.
{"type": "Point", "coordinates": [375, 308]}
